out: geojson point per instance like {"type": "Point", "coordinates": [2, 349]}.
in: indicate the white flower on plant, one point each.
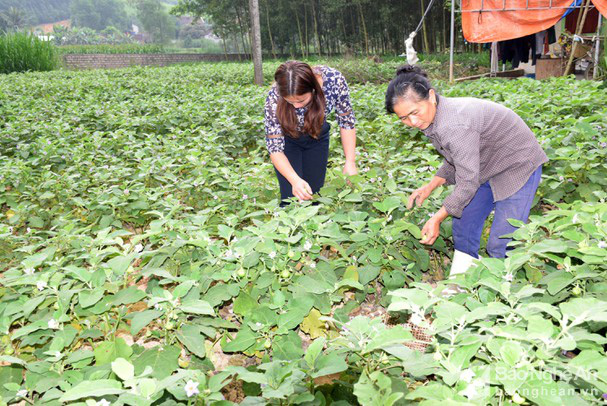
{"type": "Point", "coordinates": [602, 244]}
{"type": "Point", "coordinates": [372, 180]}
{"type": "Point", "coordinates": [307, 245]}
{"type": "Point", "coordinates": [53, 324]}
{"type": "Point", "coordinates": [126, 192]}
{"type": "Point", "coordinates": [379, 179]}
{"type": "Point", "coordinates": [561, 178]}
{"type": "Point", "coordinates": [229, 253]}
{"type": "Point", "coordinates": [41, 285]}
{"type": "Point", "coordinates": [467, 375]}
{"type": "Point", "coordinates": [272, 255]}
{"type": "Point", "coordinates": [58, 354]}
{"type": "Point", "coordinates": [191, 388]}
{"type": "Point", "coordinates": [157, 306]}
{"type": "Point", "coordinates": [389, 218]}
{"type": "Point", "coordinates": [48, 142]}
{"type": "Point", "coordinates": [508, 277]}
{"type": "Point", "coordinates": [245, 196]}
{"type": "Point", "coordinates": [22, 393]}
{"type": "Point", "coordinates": [138, 248]}
{"type": "Point", "coordinates": [575, 218]}
{"type": "Point", "coordinates": [603, 144]}
{"type": "Point", "coordinates": [390, 176]}
{"type": "Point", "coordinates": [215, 197]}
{"type": "Point", "coordinates": [313, 265]}
{"type": "Point", "coordinates": [28, 230]}
{"type": "Point", "coordinates": [29, 271]}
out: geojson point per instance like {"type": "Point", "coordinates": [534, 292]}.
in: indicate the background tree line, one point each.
{"type": "Point", "coordinates": [328, 27]}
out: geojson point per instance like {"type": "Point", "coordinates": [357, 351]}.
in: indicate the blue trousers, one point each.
{"type": "Point", "coordinates": [309, 158]}
{"type": "Point", "coordinates": [467, 230]}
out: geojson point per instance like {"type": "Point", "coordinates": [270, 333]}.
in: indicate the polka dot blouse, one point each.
{"type": "Point", "coordinates": [337, 96]}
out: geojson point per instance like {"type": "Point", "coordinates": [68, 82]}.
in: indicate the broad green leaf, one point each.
{"type": "Point", "coordinates": [191, 337]}
{"type": "Point", "coordinates": [329, 364]}
{"type": "Point", "coordinates": [109, 351]}
{"type": "Point", "coordinates": [162, 360]}
{"type": "Point", "coordinates": [89, 298]}
{"type": "Point", "coordinates": [142, 319]}
{"type": "Point", "coordinates": [296, 310]}
{"type": "Point", "coordinates": [197, 307]}
{"type": "Point", "coordinates": [97, 388]}
{"type": "Point", "coordinates": [313, 351]}
{"type": "Point", "coordinates": [128, 296]}
{"type": "Point", "coordinates": [123, 369]}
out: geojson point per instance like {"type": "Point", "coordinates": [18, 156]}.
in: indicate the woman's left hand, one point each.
{"type": "Point", "coordinates": [350, 169]}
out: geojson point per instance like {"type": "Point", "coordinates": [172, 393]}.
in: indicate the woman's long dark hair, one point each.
{"type": "Point", "coordinates": [295, 78]}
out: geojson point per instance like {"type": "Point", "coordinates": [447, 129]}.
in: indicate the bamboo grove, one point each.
{"type": "Point", "coordinates": [327, 27]}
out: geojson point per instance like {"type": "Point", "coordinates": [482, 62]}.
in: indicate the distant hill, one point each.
{"type": "Point", "coordinates": [48, 11]}
{"type": "Point", "coordinates": [40, 11]}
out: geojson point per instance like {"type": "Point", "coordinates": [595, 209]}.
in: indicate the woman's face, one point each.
{"type": "Point", "coordinates": [299, 101]}
{"type": "Point", "coordinates": [417, 114]}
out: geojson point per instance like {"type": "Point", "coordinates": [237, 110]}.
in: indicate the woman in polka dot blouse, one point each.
{"type": "Point", "coordinates": [490, 155]}
{"type": "Point", "coordinates": [297, 132]}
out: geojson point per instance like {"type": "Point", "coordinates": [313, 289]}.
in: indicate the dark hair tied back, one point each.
{"type": "Point", "coordinates": [410, 82]}
{"type": "Point", "coordinates": [405, 69]}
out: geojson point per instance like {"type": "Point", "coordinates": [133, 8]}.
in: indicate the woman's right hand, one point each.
{"type": "Point", "coordinates": [419, 195]}
{"type": "Point", "coordinates": [302, 190]}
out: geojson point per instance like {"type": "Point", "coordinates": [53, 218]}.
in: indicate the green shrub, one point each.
{"type": "Point", "coordinates": [21, 52]}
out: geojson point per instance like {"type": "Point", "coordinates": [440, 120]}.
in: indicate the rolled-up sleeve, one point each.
{"type": "Point", "coordinates": [275, 140]}
{"type": "Point", "coordinates": [463, 145]}
{"type": "Point", "coordinates": [343, 105]}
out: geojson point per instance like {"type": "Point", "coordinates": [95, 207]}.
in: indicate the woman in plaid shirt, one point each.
{"type": "Point", "coordinates": [490, 155]}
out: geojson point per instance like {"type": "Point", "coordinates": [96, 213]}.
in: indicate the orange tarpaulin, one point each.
{"type": "Point", "coordinates": [492, 24]}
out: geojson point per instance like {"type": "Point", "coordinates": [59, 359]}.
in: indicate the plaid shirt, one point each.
{"type": "Point", "coordinates": [482, 141]}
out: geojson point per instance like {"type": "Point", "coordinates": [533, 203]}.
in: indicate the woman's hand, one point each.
{"type": "Point", "coordinates": [302, 190]}
{"type": "Point", "coordinates": [350, 169]}
{"type": "Point", "coordinates": [419, 196]}
{"type": "Point", "coordinates": [431, 229]}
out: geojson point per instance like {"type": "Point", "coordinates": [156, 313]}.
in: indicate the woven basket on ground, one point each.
{"type": "Point", "coordinates": [422, 336]}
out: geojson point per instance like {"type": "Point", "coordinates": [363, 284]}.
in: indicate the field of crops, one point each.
{"type": "Point", "coordinates": [144, 259]}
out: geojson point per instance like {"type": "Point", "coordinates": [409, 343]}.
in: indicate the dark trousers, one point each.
{"type": "Point", "coordinates": [467, 230]}
{"type": "Point", "coordinates": [308, 157]}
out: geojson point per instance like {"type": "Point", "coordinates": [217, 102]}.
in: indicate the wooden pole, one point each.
{"type": "Point", "coordinates": [578, 32]}
{"type": "Point", "coordinates": [452, 40]}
